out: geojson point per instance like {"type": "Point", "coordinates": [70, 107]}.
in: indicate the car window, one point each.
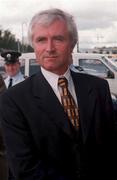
{"type": "Point", "coordinates": [22, 69]}
{"type": "Point", "coordinates": [33, 67]}
{"type": "Point", "coordinates": [94, 67]}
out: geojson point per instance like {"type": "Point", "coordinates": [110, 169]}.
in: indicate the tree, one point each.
{"type": "Point", "coordinates": [8, 41]}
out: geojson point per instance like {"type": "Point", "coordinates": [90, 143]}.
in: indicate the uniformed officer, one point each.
{"type": "Point", "coordinates": [12, 68]}
{"type": "Point", "coordinates": [14, 75]}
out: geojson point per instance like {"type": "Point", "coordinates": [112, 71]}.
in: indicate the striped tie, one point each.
{"type": "Point", "coordinates": [68, 102]}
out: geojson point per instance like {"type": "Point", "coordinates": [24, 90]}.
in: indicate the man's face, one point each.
{"type": "Point", "coordinates": [52, 46]}
{"type": "Point", "coordinates": [12, 69]}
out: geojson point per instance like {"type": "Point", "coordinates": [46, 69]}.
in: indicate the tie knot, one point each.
{"type": "Point", "coordinates": [62, 81]}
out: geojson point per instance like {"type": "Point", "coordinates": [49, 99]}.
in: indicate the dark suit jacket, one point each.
{"type": "Point", "coordinates": [3, 161]}
{"type": "Point", "coordinates": [40, 143]}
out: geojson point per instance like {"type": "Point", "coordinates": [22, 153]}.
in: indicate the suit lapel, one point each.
{"type": "Point", "coordinates": [86, 97]}
{"type": "Point", "coordinates": [47, 100]}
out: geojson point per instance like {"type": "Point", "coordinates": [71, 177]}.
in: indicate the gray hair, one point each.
{"type": "Point", "coordinates": [46, 17]}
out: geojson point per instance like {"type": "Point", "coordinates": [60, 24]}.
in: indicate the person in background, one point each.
{"type": "Point", "coordinates": [12, 68]}
{"type": "Point", "coordinates": [14, 75]}
{"type": "Point", "coordinates": [3, 161]}
{"type": "Point", "coordinates": [58, 124]}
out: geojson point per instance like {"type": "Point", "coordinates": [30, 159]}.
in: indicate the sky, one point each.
{"type": "Point", "coordinates": [96, 19]}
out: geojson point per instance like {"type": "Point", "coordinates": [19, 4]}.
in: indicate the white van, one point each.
{"type": "Point", "coordinates": [98, 65]}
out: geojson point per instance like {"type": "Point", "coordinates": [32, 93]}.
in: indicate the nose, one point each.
{"type": "Point", "coordinates": [50, 46]}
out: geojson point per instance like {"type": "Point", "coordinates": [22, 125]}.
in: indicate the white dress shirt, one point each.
{"type": "Point", "coordinates": [53, 81]}
{"type": "Point", "coordinates": [19, 77]}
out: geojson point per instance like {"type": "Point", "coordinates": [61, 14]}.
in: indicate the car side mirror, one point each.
{"type": "Point", "coordinates": [79, 68]}
{"type": "Point", "coordinates": [110, 74]}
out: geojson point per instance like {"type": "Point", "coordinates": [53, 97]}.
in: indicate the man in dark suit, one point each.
{"type": "Point", "coordinates": [47, 136]}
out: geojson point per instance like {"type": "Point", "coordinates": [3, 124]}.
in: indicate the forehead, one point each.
{"type": "Point", "coordinates": [56, 27]}
{"type": "Point", "coordinates": [12, 64]}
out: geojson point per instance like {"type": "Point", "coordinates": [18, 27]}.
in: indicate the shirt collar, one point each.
{"type": "Point", "coordinates": [16, 77]}
{"type": "Point", "coordinates": [53, 78]}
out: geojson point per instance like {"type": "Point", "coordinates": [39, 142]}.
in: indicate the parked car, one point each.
{"type": "Point", "coordinates": [99, 65]}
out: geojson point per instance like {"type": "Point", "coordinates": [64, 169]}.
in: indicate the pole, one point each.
{"type": "Point", "coordinates": [18, 45]}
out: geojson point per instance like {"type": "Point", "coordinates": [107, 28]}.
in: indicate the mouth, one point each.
{"type": "Point", "coordinates": [51, 57]}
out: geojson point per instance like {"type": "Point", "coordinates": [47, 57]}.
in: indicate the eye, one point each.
{"type": "Point", "coordinates": [59, 38]}
{"type": "Point", "coordinates": [40, 39]}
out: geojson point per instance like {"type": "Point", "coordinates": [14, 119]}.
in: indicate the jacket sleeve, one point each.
{"type": "Point", "coordinates": [110, 130]}
{"type": "Point", "coordinates": [21, 152]}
